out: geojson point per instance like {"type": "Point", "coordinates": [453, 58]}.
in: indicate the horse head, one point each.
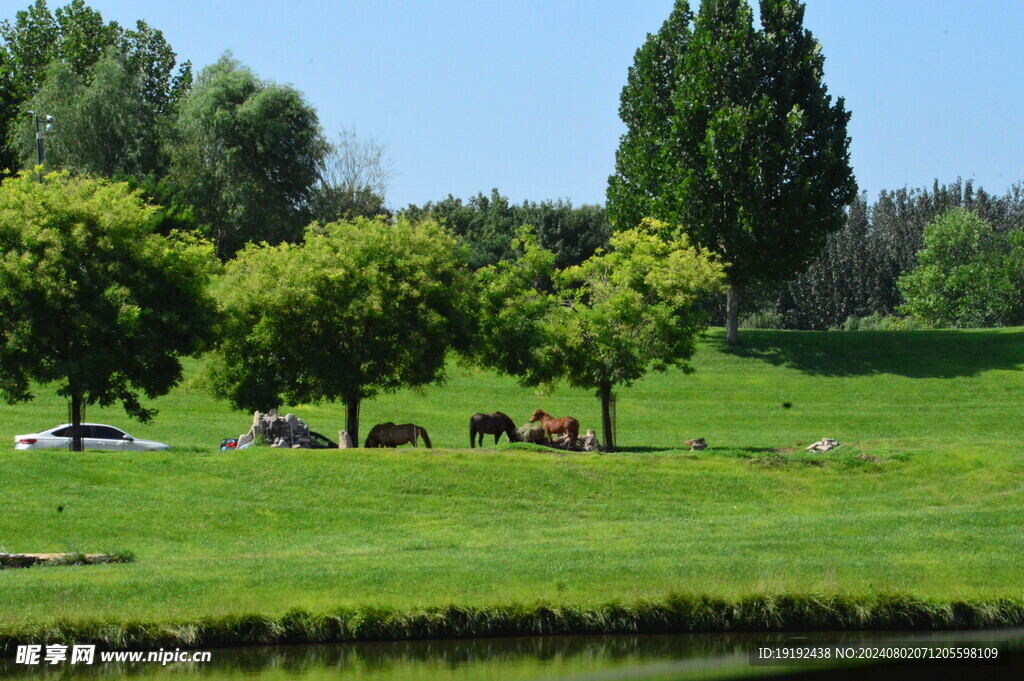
{"type": "Point", "coordinates": [539, 415]}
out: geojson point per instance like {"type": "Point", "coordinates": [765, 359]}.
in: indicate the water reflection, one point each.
{"type": "Point", "coordinates": [579, 658]}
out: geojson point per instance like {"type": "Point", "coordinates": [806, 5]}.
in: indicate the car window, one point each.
{"type": "Point", "coordinates": [106, 433]}
{"type": "Point", "coordinates": [66, 432]}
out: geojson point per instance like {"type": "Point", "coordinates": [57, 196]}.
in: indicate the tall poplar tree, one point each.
{"type": "Point", "coordinates": [732, 135]}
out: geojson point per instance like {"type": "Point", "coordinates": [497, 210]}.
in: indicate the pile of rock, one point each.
{"type": "Point", "coordinates": [534, 433]}
{"type": "Point", "coordinates": [286, 431]}
{"type": "Point", "coordinates": [583, 443]}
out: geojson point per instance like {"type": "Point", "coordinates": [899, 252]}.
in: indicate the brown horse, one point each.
{"type": "Point", "coordinates": [493, 424]}
{"type": "Point", "coordinates": [565, 424]}
{"type": "Point", "coordinates": [390, 435]}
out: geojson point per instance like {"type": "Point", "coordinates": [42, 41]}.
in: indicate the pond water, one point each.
{"type": "Point", "coordinates": [580, 658]}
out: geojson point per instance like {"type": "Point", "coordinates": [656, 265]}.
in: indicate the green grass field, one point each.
{"type": "Point", "coordinates": [926, 496]}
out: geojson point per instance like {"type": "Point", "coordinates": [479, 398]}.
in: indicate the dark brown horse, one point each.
{"type": "Point", "coordinates": [492, 424]}
{"type": "Point", "coordinates": [390, 435]}
{"type": "Point", "coordinates": [565, 424]}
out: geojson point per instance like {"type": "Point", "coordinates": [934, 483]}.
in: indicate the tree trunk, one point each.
{"type": "Point", "coordinates": [606, 417]}
{"type": "Point", "coordinates": [732, 315]}
{"type": "Point", "coordinates": [76, 422]}
{"type": "Point", "coordinates": [352, 419]}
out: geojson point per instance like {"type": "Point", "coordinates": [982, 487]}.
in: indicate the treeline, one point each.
{"type": "Point", "coordinates": [857, 274]}
{"type": "Point", "coordinates": [488, 224]}
{"type": "Point", "coordinates": [853, 283]}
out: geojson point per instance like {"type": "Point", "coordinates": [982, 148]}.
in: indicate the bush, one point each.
{"type": "Point", "coordinates": [766, 318]}
{"type": "Point", "coordinates": [877, 322]}
{"type": "Point", "coordinates": [969, 275]}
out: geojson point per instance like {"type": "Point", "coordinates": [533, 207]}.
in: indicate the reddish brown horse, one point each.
{"type": "Point", "coordinates": [566, 424]}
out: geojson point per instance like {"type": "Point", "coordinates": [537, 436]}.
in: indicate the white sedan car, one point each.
{"type": "Point", "coordinates": [94, 436]}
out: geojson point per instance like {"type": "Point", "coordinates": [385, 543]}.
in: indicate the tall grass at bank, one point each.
{"type": "Point", "coordinates": [674, 614]}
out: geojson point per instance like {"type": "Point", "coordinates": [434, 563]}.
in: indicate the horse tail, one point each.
{"type": "Point", "coordinates": [472, 435]}
{"type": "Point", "coordinates": [426, 438]}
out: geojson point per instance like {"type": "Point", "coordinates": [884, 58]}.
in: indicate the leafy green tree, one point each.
{"type": "Point", "coordinates": [359, 308]}
{"type": "Point", "coordinates": [746, 148]}
{"type": "Point", "coordinates": [609, 320]}
{"type": "Point", "coordinates": [150, 56]}
{"type": "Point", "coordinates": [968, 275]}
{"type": "Point", "coordinates": [630, 310]}
{"type": "Point", "coordinates": [76, 36]}
{"type": "Point", "coordinates": [91, 298]}
{"type": "Point", "coordinates": [246, 153]}
{"type": "Point", "coordinates": [103, 126]}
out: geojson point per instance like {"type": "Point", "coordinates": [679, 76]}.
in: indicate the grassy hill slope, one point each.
{"type": "Point", "coordinates": [926, 497]}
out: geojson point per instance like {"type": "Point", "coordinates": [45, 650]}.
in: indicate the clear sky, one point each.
{"type": "Point", "coordinates": [523, 95]}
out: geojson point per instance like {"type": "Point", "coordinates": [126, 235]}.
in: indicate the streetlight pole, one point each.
{"type": "Point", "coordinates": [40, 150]}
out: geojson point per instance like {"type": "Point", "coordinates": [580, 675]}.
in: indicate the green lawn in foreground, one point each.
{"type": "Point", "coordinates": [926, 496]}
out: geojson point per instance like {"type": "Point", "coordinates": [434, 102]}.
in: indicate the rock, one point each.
{"type": "Point", "coordinates": [247, 438]}
{"type": "Point", "coordinates": [825, 444]}
{"type": "Point", "coordinates": [562, 441]}
{"type": "Point", "coordinates": [586, 443]}
{"type": "Point", "coordinates": [697, 444]}
{"type": "Point", "coordinates": [345, 440]}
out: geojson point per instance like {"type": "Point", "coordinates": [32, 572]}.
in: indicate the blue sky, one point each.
{"type": "Point", "coordinates": [523, 95]}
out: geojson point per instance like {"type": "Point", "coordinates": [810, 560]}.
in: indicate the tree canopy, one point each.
{"type": "Point", "coordinates": [732, 134]}
{"type": "Point", "coordinates": [77, 37]}
{"type": "Point", "coordinates": [103, 125]}
{"type": "Point", "coordinates": [246, 154]}
{"type": "Point", "coordinates": [91, 298]}
{"type": "Point", "coordinates": [608, 321]}
{"type": "Point", "coordinates": [359, 308]}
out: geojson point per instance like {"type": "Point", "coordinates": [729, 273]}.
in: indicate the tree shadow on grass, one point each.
{"type": "Point", "coordinates": [914, 354]}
